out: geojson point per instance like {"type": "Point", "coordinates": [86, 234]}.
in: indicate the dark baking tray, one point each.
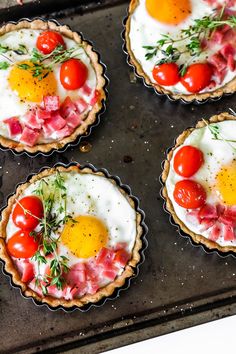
{"type": "Point", "coordinates": [178, 285]}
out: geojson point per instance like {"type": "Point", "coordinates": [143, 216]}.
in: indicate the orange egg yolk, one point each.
{"type": "Point", "coordinates": [170, 12]}
{"type": "Point", "coordinates": [28, 87]}
{"type": "Point", "coordinates": [85, 237]}
{"type": "Point", "coordinates": [226, 184]}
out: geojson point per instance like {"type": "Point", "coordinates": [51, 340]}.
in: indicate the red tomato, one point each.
{"type": "Point", "coordinates": [166, 74]}
{"type": "Point", "coordinates": [24, 220]}
{"type": "Point", "coordinates": [197, 77]}
{"type": "Point", "coordinates": [73, 74]}
{"type": "Point", "coordinates": [47, 41]}
{"type": "Point", "coordinates": [188, 160]}
{"type": "Point", "coordinates": [189, 194]}
{"type": "Point", "coordinates": [22, 245]}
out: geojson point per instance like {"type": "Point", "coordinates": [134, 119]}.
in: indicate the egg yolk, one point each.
{"type": "Point", "coordinates": [226, 184]}
{"type": "Point", "coordinates": [170, 12]}
{"type": "Point", "coordinates": [85, 237]}
{"type": "Point", "coordinates": [28, 87]}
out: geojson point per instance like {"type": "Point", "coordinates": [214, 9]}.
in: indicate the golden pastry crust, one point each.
{"type": "Point", "coordinates": [101, 83]}
{"type": "Point", "coordinates": [229, 88]}
{"type": "Point", "coordinates": [169, 206]}
{"type": "Point", "coordinates": [101, 293]}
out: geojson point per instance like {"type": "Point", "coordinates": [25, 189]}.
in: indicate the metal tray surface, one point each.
{"type": "Point", "coordinates": [178, 285]}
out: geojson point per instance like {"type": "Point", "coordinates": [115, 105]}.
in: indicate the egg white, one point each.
{"type": "Point", "coordinates": [216, 155]}
{"type": "Point", "coordinates": [10, 103]}
{"type": "Point", "coordinates": [146, 31]}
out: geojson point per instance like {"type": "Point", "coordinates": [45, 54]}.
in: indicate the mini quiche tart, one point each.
{"type": "Point", "coordinates": [70, 236]}
{"type": "Point", "coordinates": [200, 182]}
{"type": "Point", "coordinates": [52, 86]}
{"type": "Point", "coordinates": [183, 48]}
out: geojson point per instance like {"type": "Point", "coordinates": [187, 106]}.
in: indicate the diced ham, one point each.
{"type": "Point", "coordinates": [95, 97]}
{"type": "Point", "coordinates": [218, 61]}
{"type": "Point", "coordinates": [76, 274]}
{"type": "Point", "coordinates": [14, 126]}
{"type": "Point", "coordinates": [231, 63]}
{"type": "Point", "coordinates": [92, 287]}
{"type": "Point", "coordinates": [27, 271]}
{"type": "Point", "coordinates": [227, 220]}
{"type": "Point", "coordinates": [109, 274]}
{"type": "Point", "coordinates": [51, 103]}
{"type": "Point", "coordinates": [81, 104]}
{"type": "Point", "coordinates": [220, 209]}
{"type": "Point", "coordinates": [55, 123]}
{"type": "Point", "coordinates": [73, 119]}
{"type": "Point", "coordinates": [87, 90]}
{"type": "Point", "coordinates": [62, 133]}
{"type": "Point", "coordinates": [29, 136]}
{"type": "Point", "coordinates": [228, 233]}
{"type": "Point", "coordinates": [32, 121]}
{"type": "Point", "coordinates": [215, 232]}
{"type": "Point", "coordinates": [208, 211]}
{"type": "Point", "coordinates": [120, 246]}
{"type": "Point", "coordinates": [121, 258]}
{"type": "Point", "coordinates": [42, 114]}
{"type": "Point", "coordinates": [105, 257]}
{"type": "Point", "coordinates": [67, 107]}
{"type": "Point", "coordinates": [227, 50]}
{"type": "Point", "coordinates": [217, 36]}
{"type": "Point", "coordinates": [207, 223]}
{"type": "Point", "coordinates": [230, 211]}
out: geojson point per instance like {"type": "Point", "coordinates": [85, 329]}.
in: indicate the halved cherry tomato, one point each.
{"type": "Point", "coordinates": [166, 74]}
{"type": "Point", "coordinates": [22, 245]}
{"type": "Point", "coordinates": [24, 220]}
{"type": "Point", "coordinates": [189, 194]}
{"type": "Point", "coordinates": [73, 74]}
{"type": "Point", "coordinates": [197, 77]}
{"type": "Point", "coordinates": [188, 160]}
{"type": "Point", "coordinates": [47, 41]}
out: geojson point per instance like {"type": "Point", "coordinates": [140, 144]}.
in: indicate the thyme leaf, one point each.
{"type": "Point", "coordinates": [217, 135]}
{"type": "Point", "coordinates": [4, 65]}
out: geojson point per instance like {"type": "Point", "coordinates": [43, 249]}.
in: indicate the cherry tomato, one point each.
{"type": "Point", "coordinates": [197, 77]}
{"type": "Point", "coordinates": [22, 245]}
{"type": "Point", "coordinates": [188, 160]}
{"type": "Point", "coordinates": [189, 194]}
{"type": "Point", "coordinates": [73, 74]}
{"type": "Point", "coordinates": [47, 41]}
{"type": "Point", "coordinates": [24, 220]}
{"type": "Point", "coordinates": [166, 74]}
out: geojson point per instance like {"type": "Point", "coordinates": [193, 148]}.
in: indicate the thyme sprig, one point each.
{"type": "Point", "coordinates": [217, 135]}
{"type": "Point", "coordinates": [4, 49]}
{"type": "Point", "coordinates": [191, 40]}
{"type": "Point", "coordinates": [41, 65]}
{"type": "Point", "coordinates": [51, 193]}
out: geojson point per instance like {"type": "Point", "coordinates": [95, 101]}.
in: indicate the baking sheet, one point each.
{"type": "Point", "coordinates": [179, 285]}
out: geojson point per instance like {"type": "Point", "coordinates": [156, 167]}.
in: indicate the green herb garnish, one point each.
{"type": "Point", "coordinates": [191, 40]}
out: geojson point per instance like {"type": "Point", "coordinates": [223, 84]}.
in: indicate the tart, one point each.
{"type": "Point", "coordinates": [71, 236]}
{"type": "Point", "coordinates": [185, 48]}
{"type": "Point", "coordinates": [53, 86]}
{"type": "Point", "coordinates": [199, 179]}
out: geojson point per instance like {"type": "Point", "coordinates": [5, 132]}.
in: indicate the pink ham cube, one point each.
{"type": "Point", "coordinates": [29, 136]}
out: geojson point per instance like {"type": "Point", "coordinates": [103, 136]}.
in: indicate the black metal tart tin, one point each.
{"type": "Point", "coordinates": [98, 114]}
{"type": "Point", "coordinates": [169, 96]}
{"type": "Point", "coordinates": [117, 291]}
